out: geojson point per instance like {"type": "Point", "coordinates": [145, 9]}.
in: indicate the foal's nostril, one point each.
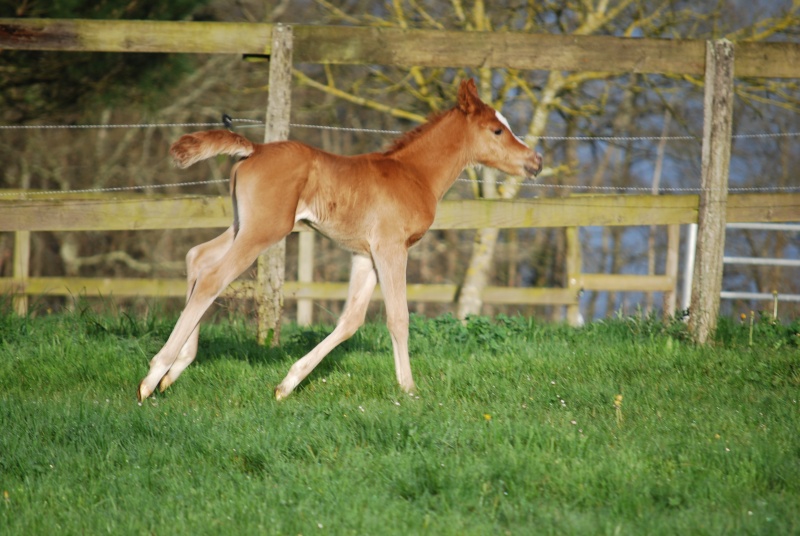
{"type": "Point", "coordinates": [536, 167]}
{"type": "Point", "coordinates": [533, 171]}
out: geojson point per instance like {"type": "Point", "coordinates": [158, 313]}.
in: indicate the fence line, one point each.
{"type": "Point", "coordinates": [227, 122]}
{"type": "Point", "coordinates": [251, 123]}
{"type": "Point", "coordinates": [762, 261]}
{"type": "Point", "coordinates": [111, 213]}
{"type": "Point", "coordinates": [525, 184]}
{"type": "Point", "coordinates": [579, 188]}
{"type": "Point", "coordinates": [425, 48]}
{"type": "Point", "coordinates": [452, 215]}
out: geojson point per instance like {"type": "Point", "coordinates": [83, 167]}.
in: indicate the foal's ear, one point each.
{"type": "Point", "coordinates": [468, 99]}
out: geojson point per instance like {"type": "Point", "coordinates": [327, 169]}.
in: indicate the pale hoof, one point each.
{"type": "Point", "coordinates": [142, 392]}
{"type": "Point", "coordinates": [281, 393]}
{"type": "Point", "coordinates": [409, 389]}
{"type": "Point", "coordinates": [165, 382]}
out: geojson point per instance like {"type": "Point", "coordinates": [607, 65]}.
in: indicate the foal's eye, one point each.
{"type": "Point", "coordinates": [498, 131]}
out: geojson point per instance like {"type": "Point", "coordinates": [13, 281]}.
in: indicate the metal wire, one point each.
{"type": "Point", "coordinates": [111, 189]}
{"type": "Point", "coordinates": [251, 123]}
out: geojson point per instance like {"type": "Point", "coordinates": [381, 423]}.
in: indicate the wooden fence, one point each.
{"type": "Point", "coordinates": [715, 61]}
{"type": "Point", "coordinates": [113, 213]}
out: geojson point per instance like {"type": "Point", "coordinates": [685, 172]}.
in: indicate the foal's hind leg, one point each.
{"type": "Point", "coordinates": [209, 284]}
{"type": "Point", "coordinates": [362, 283]}
{"type": "Point", "coordinates": [197, 260]}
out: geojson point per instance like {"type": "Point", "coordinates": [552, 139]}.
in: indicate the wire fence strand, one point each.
{"type": "Point", "coordinates": [253, 123]}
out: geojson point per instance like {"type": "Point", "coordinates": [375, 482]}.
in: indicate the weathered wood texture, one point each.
{"type": "Point", "coordinates": [712, 214]}
{"type": "Point", "coordinates": [192, 212]}
{"type": "Point", "coordinates": [305, 274]}
{"type": "Point", "coordinates": [21, 268]}
{"type": "Point", "coordinates": [396, 46]}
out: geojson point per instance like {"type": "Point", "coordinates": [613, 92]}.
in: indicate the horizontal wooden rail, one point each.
{"type": "Point", "coordinates": [193, 212]}
{"type": "Point", "coordinates": [397, 46]}
{"type": "Point", "coordinates": [626, 282]}
{"type": "Point", "coordinates": [293, 290]}
{"type": "Point", "coordinates": [126, 212]}
{"type": "Point", "coordinates": [444, 293]}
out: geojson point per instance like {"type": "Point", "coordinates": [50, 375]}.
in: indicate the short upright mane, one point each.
{"type": "Point", "coordinates": [406, 139]}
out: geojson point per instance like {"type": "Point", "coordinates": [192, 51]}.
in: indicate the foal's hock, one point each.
{"type": "Point", "coordinates": [376, 205]}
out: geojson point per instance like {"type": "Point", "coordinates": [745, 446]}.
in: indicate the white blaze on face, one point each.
{"type": "Point", "coordinates": [502, 119]}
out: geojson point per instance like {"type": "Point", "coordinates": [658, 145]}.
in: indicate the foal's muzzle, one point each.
{"type": "Point", "coordinates": [533, 167]}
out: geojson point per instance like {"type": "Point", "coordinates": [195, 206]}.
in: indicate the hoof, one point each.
{"type": "Point", "coordinates": [164, 383]}
{"type": "Point", "coordinates": [280, 394]}
{"type": "Point", "coordinates": [142, 393]}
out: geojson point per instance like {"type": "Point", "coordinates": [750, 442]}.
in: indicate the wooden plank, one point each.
{"type": "Point", "coordinates": [111, 214]}
{"type": "Point", "coordinates": [516, 50]}
{"type": "Point", "coordinates": [671, 270]}
{"type": "Point", "coordinates": [195, 212]}
{"type": "Point", "coordinates": [293, 290]}
{"type": "Point", "coordinates": [574, 262]}
{"type": "Point", "coordinates": [397, 46]}
{"type": "Point", "coordinates": [118, 286]}
{"type": "Point", "coordinates": [767, 59]}
{"type": "Point", "coordinates": [21, 269]}
{"type": "Point", "coordinates": [580, 211]}
{"type": "Point", "coordinates": [305, 274]}
{"type": "Point", "coordinates": [627, 283]}
{"type": "Point", "coordinates": [530, 296]}
{"type": "Point", "coordinates": [135, 36]}
{"type": "Point", "coordinates": [763, 208]}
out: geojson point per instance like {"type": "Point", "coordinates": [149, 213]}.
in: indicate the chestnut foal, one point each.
{"type": "Point", "coordinates": [376, 205]}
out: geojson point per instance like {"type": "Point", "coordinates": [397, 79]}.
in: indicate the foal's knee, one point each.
{"type": "Point", "coordinates": [348, 325]}
{"type": "Point", "coordinates": [191, 260]}
{"type": "Point", "coordinates": [398, 323]}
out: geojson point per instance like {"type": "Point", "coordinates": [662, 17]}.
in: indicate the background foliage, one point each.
{"type": "Point", "coordinates": [48, 88]}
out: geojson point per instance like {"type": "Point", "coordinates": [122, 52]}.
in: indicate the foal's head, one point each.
{"type": "Point", "coordinates": [491, 141]}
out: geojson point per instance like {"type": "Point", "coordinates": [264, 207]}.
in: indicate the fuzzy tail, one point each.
{"type": "Point", "coordinates": [198, 146]}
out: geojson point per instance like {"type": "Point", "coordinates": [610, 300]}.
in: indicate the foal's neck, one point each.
{"type": "Point", "coordinates": [440, 153]}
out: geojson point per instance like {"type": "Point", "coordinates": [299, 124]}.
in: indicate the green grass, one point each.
{"type": "Point", "coordinates": [514, 431]}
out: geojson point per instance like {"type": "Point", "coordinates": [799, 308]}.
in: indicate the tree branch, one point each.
{"type": "Point", "coordinates": [361, 101]}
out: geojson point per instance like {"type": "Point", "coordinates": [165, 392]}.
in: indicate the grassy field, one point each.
{"type": "Point", "coordinates": [518, 428]}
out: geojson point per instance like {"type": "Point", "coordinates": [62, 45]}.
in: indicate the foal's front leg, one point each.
{"type": "Point", "coordinates": [390, 262]}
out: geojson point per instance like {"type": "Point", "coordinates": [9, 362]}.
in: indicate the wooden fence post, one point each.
{"type": "Point", "coordinates": [574, 263]}
{"type": "Point", "coordinates": [21, 270]}
{"type": "Point", "coordinates": [271, 268]}
{"type": "Point", "coordinates": [305, 274]}
{"type": "Point", "coordinates": [671, 270]}
{"type": "Point", "coordinates": [717, 121]}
